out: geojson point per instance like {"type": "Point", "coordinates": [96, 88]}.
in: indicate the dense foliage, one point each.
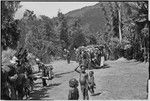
{"type": "Point", "coordinates": [9, 27]}
{"type": "Point", "coordinates": [124, 32]}
{"type": "Point", "coordinates": [133, 29]}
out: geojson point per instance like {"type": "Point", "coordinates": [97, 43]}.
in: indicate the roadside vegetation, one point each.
{"type": "Point", "coordinates": [126, 32]}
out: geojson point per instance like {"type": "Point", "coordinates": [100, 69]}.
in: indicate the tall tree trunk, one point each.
{"type": "Point", "coordinates": [119, 15]}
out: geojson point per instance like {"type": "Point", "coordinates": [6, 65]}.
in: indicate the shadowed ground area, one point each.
{"type": "Point", "coordinates": [121, 79]}
{"type": "Point", "coordinates": [38, 94]}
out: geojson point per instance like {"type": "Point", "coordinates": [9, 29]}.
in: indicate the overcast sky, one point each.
{"type": "Point", "coordinates": [50, 8]}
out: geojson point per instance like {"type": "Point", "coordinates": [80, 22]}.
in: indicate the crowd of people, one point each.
{"type": "Point", "coordinates": [86, 57]}
{"type": "Point", "coordinates": [91, 56]}
{"type": "Point", "coordinates": [18, 77]}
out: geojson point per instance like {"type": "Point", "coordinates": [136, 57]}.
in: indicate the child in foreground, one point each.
{"type": "Point", "coordinates": [83, 81]}
{"type": "Point", "coordinates": [73, 91]}
{"type": "Point", "coordinates": [91, 82]}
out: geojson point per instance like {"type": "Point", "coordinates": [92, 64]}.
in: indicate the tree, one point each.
{"type": "Point", "coordinates": [25, 25]}
{"type": "Point", "coordinates": [119, 20]}
{"type": "Point", "coordinates": [9, 26]}
{"type": "Point", "coordinates": [39, 36]}
{"type": "Point", "coordinates": [112, 37]}
{"type": "Point", "coordinates": [107, 16]}
{"type": "Point", "coordinates": [136, 20]}
{"type": "Point", "coordinates": [63, 30]}
{"type": "Point", "coordinates": [49, 25]}
{"type": "Point", "coordinates": [116, 16]}
{"type": "Point", "coordinates": [77, 37]}
{"type": "Point", "coordinates": [92, 39]}
{"type": "Point", "coordinates": [105, 37]}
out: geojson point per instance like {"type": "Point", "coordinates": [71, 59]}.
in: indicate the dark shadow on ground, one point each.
{"type": "Point", "coordinates": [42, 92]}
{"type": "Point", "coordinates": [96, 94]}
{"type": "Point", "coordinates": [60, 74]}
{"type": "Point", "coordinates": [39, 94]}
{"type": "Point", "coordinates": [55, 84]}
{"type": "Point", "coordinates": [102, 67]}
{"type": "Point", "coordinates": [105, 66]}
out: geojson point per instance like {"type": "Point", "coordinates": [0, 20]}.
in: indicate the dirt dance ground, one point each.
{"type": "Point", "coordinates": [120, 79]}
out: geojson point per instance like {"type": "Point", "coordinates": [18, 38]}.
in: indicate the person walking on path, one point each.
{"type": "Point", "coordinates": [68, 57]}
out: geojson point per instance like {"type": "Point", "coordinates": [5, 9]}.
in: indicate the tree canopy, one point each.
{"type": "Point", "coordinates": [9, 26]}
{"type": "Point", "coordinates": [126, 25]}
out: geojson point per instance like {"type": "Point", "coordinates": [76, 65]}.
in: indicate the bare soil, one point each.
{"type": "Point", "coordinates": [117, 80]}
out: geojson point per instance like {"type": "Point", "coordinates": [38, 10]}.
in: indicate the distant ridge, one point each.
{"type": "Point", "coordinates": [91, 17]}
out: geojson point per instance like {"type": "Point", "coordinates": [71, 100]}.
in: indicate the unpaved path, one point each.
{"type": "Point", "coordinates": [118, 80]}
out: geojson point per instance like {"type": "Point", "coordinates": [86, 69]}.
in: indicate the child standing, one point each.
{"type": "Point", "coordinates": [91, 82]}
{"type": "Point", "coordinates": [73, 91]}
{"type": "Point", "coordinates": [83, 82]}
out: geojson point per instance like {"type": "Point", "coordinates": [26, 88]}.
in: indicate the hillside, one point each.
{"type": "Point", "coordinates": [91, 17]}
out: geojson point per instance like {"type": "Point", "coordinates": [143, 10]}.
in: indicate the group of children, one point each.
{"type": "Point", "coordinates": [86, 83]}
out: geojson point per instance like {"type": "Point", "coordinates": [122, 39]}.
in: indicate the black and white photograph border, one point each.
{"type": "Point", "coordinates": [75, 50]}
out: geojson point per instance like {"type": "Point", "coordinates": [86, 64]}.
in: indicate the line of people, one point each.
{"type": "Point", "coordinates": [90, 56]}
{"type": "Point", "coordinates": [87, 57]}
